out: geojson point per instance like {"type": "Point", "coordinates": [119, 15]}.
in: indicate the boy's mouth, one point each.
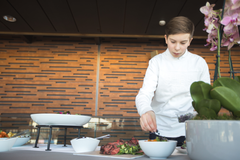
{"type": "Point", "coordinates": [177, 54]}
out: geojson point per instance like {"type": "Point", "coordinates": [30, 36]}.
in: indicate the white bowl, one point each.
{"type": "Point", "coordinates": [6, 144]}
{"type": "Point", "coordinates": [60, 119]}
{"type": "Point", "coordinates": [158, 150]}
{"type": "Point", "coordinates": [84, 144]}
{"type": "Point", "coordinates": [21, 141]}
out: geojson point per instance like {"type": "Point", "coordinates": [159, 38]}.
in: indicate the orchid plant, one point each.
{"type": "Point", "coordinates": [222, 27]}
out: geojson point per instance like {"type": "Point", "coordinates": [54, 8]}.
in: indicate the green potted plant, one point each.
{"type": "Point", "coordinates": [210, 136]}
{"type": "Point", "coordinates": [208, 99]}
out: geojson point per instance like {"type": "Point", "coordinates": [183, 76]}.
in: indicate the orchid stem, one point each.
{"type": "Point", "coordinates": [230, 64]}
{"type": "Point", "coordinates": [218, 53]}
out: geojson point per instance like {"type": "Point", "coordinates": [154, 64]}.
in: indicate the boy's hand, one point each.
{"type": "Point", "coordinates": [148, 121]}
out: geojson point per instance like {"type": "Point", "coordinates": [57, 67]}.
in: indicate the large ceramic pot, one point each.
{"type": "Point", "coordinates": [213, 139]}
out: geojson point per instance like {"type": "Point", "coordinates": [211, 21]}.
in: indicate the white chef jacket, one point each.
{"type": "Point", "coordinates": [166, 89]}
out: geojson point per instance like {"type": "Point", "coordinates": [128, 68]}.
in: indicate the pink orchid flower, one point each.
{"type": "Point", "coordinates": [227, 7]}
{"type": "Point", "coordinates": [236, 4]}
{"type": "Point", "coordinates": [211, 17]}
{"type": "Point", "coordinates": [230, 22]}
{"type": "Point", "coordinates": [213, 25]}
{"type": "Point", "coordinates": [207, 10]}
{"type": "Point", "coordinates": [214, 47]}
{"type": "Point", "coordinates": [231, 40]}
{"type": "Point", "coordinates": [212, 39]}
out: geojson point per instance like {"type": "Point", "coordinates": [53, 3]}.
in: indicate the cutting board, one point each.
{"type": "Point", "coordinates": [97, 154]}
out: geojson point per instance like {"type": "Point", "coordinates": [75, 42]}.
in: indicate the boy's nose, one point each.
{"type": "Point", "coordinates": [177, 46]}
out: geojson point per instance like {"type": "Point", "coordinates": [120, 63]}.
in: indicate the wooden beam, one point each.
{"type": "Point", "coordinates": [90, 35]}
{"type": "Point", "coordinates": [98, 40]}
{"type": "Point", "coordinates": [28, 39]}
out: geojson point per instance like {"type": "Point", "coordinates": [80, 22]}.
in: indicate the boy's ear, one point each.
{"type": "Point", "coordinates": [165, 36]}
{"type": "Point", "coordinates": [190, 41]}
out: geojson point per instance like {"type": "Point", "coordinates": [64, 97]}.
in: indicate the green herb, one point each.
{"type": "Point", "coordinates": [184, 145]}
{"type": "Point", "coordinates": [161, 139]}
{"type": "Point", "coordinates": [66, 112]}
{"type": "Point", "coordinates": [127, 149]}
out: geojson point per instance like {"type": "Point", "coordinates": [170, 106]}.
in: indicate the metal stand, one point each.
{"type": "Point", "coordinates": [50, 133]}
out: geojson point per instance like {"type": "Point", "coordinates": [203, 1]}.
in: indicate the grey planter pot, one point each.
{"type": "Point", "coordinates": [213, 139]}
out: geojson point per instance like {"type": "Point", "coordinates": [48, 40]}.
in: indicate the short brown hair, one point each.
{"type": "Point", "coordinates": [179, 25]}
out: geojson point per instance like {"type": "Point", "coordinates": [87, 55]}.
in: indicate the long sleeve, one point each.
{"type": "Point", "coordinates": [146, 93]}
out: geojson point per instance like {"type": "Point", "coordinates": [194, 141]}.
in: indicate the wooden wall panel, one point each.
{"type": "Point", "coordinates": [122, 68]}
{"type": "Point", "coordinates": [123, 64]}
{"type": "Point", "coordinates": [63, 73]}
{"type": "Point", "coordinates": [210, 57]}
{"type": "Point", "coordinates": [49, 75]}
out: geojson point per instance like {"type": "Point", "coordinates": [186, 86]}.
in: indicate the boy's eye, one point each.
{"type": "Point", "coordinates": [172, 42]}
{"type": "Point", "coordinates": [183, 43]}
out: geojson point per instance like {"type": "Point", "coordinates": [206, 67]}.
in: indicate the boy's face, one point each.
{"type": "Point", "coordinates": [178, 43]}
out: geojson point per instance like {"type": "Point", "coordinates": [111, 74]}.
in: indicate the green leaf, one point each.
{"type": "Point", "coordinates": [227, 97]}
{"type": "Point", "coordinates": [229, 83]}
{"type": "Point", "coordinates": [200, 90]}
{"type": "Point", "coordinates": [237, 78]}
{"type": "Point", "coordinates": [213, 104]}
{"type": "Point", "coordinates": [207, 112]}
{"type": "Point", "coordinates": [236, 113]}
{"type": "Point", "coordinates": [194, 106]}
{"type": "Point", "coordinates": [122, 146]}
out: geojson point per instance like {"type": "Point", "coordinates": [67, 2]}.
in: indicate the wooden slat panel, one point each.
{"type": "Point", "coordinates": [48, 76]}
{"type": "Point", "coordinates": [55, 74]}
{"type": "Point", "coordinates": [122, 68]}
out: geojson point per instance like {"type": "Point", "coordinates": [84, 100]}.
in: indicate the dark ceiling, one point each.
{"type": "Point", "coordinates": [98, 18]}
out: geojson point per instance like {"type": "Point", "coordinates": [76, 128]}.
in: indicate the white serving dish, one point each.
{"type": "Point", "coordinates": [60, 119]}
{"type": "Point", "coordinates": [6, 144]}
{"type": "Point", "coordinates": [82, 145]}
{"type": "Point", "coordinates": [180, 150]}
{"type": "Point", "coordinates": [21, 141]}
{"type": "Point", "coordinates": [158, 150]}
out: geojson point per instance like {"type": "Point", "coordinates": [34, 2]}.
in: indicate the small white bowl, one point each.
{"type": "Point", "coordinates": [6, 144]}
{"type": "Point", "coordinates": [158, 150]}
{"type": "Point", "coordinates": [84, 144]}
{"type": "Point", "coordinates": [21, 141]}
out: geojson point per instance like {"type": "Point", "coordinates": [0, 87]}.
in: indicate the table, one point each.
{"type": "Point", "coordinates": [27, 152]}
{"type": "Point", "coordinates": [36, 155]}
{"type": "Point", "coordinates": [50, 133]}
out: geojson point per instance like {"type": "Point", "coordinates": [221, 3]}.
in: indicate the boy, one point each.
{"type": "Point", "coordinates": [165, 93]}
